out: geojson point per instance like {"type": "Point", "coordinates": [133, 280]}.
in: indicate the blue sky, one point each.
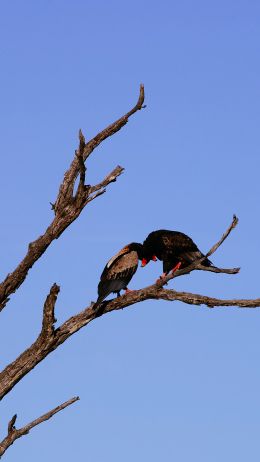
{"type": "Point", "coordinates": [158, 381]}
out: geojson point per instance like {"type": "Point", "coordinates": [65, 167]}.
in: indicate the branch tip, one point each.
{"type": "Point", "coordinates": [14, 434]}
{"type": "Point", "coordinates": [81, 136]}
{"type": "Point", "coordinates": [140, 101]}
{"type": "Point", "coordinates": [224, 236]}
{"type": "Point", "coordinates": [11, 424]}
{"type": "Point", "coordinates": [82, 144]}
{"type": "Point", "coordinates": [235, 220]}
{"type": "Point", "coordinates": [49, 318]}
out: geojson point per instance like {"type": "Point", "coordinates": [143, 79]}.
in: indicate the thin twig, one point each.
{"type": "Point", "coordinates": [15, 433]}
{"type": "Point", "coordinates": [100, 188]}
{"type": "Point", "coordinates": [98, 193]}
{"type": "Point", "coordinates": [116, 126]}
{"type": "Point", "coordinates": [110, 178]}
{"type": "Point", "coordinates": [215, 269]}
{"type": "Point", "coordinates": [225, 235]}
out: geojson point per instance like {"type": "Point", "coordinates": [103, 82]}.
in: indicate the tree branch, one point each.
{"type": "Point", "coordinates": [211, 302]}
{"type": "Point", "coordinates": [110, 178]}
{"type": "Point", "coordinates": [42, 347]}
{"type": "Point", "coordinates": [67, 207]}
{"type": "Point", "coordinates": [14, 433]}
{"type": "Point", "coordinates": [67, 186]}
{"type": "Point", "coordinates": [99, 188]}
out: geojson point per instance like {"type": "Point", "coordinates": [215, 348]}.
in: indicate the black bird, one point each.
{"type": "Point", "coordinates": [174, 248]}
{"type": "Point", "coordinates": [119, 271]}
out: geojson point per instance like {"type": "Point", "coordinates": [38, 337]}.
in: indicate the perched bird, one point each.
{"type": "Point", "coordinates": [174, 248]}
{"type": "Point", "coordinates": [119, 271]}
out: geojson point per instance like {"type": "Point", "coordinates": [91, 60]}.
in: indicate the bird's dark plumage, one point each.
{"type": "Point", "coordinates": [172, 247]}
{"type": "Point", "coordinates": [119, 271]}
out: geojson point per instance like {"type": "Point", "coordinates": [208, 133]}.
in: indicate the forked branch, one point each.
{"type": "Point", "coordinates": [15, 433]}
{"type": "Point", "coordinates": [67, 206]}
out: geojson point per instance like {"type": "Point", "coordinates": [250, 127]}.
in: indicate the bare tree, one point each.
{"type": "Point", "coordinates": [69, 203]}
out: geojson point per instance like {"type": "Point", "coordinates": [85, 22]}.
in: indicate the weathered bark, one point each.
{"type": "Point", "coordinates": [68, 206]}
{"type": "Point", "coordinates": [43, 346]}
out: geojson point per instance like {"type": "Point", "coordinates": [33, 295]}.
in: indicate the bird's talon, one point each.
{"type": "Point", "coordinates": [161, 278]}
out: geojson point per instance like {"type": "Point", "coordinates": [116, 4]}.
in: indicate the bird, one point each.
{"type": "Point", "coordinates": [119, 271]}
{"type": "Point", "coordinates": [174, 248]}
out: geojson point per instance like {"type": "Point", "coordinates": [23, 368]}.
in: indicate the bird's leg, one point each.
{"type": "Point", "coordinates": [161, 277]}
{"type": "Point", "coordinates": [176, 267]}
{"type": "Point", "coordinates": [118, 294]}
{"type": "Point", "coordinates": [127, 291]}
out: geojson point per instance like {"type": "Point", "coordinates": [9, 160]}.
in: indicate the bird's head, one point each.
{"type": "Point", "coordinates": [138, 248]}
{"type": "Point", "coordinates": [147, 258]}
{"type": "Point", "coordinates": [148, 253]}
{"type": "Point", "coordinates": [143, 255]}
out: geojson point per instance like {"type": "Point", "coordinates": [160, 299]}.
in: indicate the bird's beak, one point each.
{"type": "Point", "coordinates": [144, 262]}
{"type": "Point", "coordinates": [154, 258]}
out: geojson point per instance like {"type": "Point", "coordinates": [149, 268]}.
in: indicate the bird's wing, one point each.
{"type": "Point", "coordinates": [123, 267]}
{"type": "Point", "coordinates": [111, 263]}
{"type": "Point", "coordinates": [172, 247]}
{"type": "Point", "coordinates": [116, 277]}
{"type": "Point", "coordinates": [183, 247]}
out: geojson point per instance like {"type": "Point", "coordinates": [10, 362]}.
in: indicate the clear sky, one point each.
{"type": "Point", "coordinates": [159, 380]}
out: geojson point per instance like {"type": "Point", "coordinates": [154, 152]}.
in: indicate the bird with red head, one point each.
{"type": "Point", "coordinates": [173, 248]}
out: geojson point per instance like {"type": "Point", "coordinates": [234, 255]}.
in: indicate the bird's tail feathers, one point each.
{"type": "Point", "coordinates": [207, 262]}
{"type": "Point", "coordinates": [190, 257]}
{"type": "Point", "coordinates": [100, 299]}
{"type": "Point", "coordinates": [106, 288]}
